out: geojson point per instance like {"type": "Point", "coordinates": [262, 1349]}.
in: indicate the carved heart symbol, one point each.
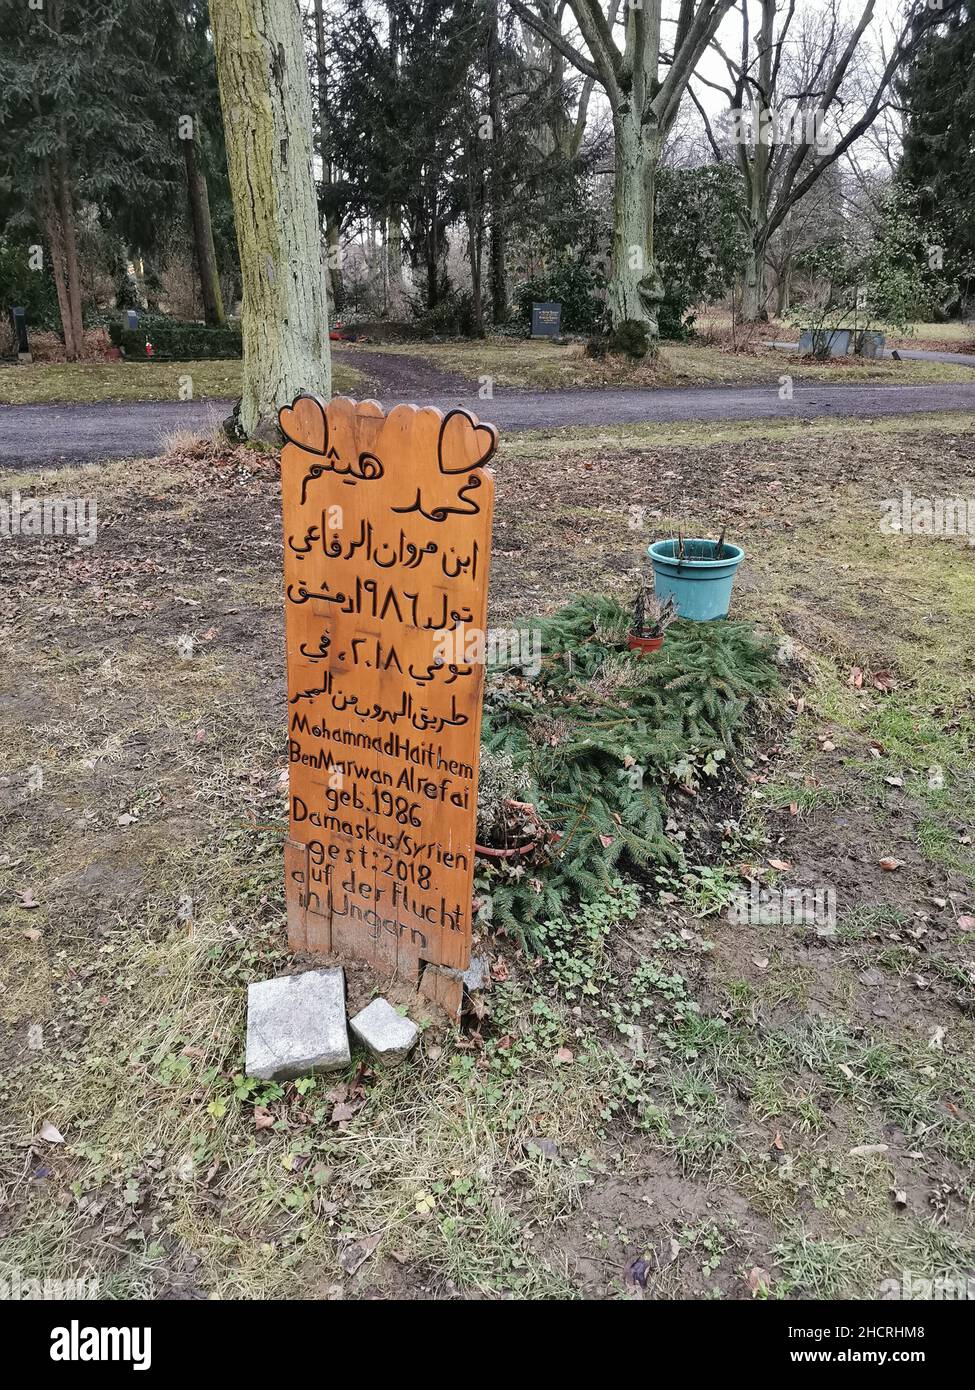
{"type": "Point", "coordinates": [464, 444]}
{"type": "Point", "coordinates": [305, 423]}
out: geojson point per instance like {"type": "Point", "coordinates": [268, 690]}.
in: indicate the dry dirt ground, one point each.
{"type": "Point", "coordinates": [799, 1117]}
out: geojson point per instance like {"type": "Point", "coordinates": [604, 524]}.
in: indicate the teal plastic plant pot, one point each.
{"type": "Point", "coordinates": [699, 584]}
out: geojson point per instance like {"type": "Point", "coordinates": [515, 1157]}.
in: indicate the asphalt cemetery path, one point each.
{"type": "Point", "coordinates": [33, 436]}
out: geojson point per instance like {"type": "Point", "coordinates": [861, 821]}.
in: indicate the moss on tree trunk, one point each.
{"type": "Point", "coordinates": [635, 291]}
{"type": "Point", "coordinates": [266, 100]}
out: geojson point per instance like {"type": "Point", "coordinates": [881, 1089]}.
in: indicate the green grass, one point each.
{"type": "Point", "coordinates": [512, 363]}
{"type": "Point", "coordinates": [954, 336]}
{"type": "Point", "coordinates": [588, 438]}
{"type": "Point", "coordinates": [922, 731]}
{"type": "Point", "coordinates": [544, 365]}
{"type": "Point", "coordinates": [90, 382]}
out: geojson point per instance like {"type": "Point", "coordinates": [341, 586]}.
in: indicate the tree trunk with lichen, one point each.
{"type": "Point", "coordinates": [753, 286]}
{"type": "Point", "coordinates": [266, 99]}
{"type": "Point", "coordinates": [757, 162]}
{"type": "Point", "coordinates": [635, 289]}
{"type": "Point", "coordinates": [71, 266]}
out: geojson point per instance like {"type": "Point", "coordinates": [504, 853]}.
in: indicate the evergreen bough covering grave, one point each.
{"type": "Point", "coordinates": [599, 742]}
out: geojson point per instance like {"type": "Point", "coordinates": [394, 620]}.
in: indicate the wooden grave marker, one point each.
{"type": "Point", "coordinates": [387, 547]}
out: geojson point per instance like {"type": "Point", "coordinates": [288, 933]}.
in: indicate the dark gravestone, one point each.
{"type": "Point", "coordinates": [546, 320]}
{"type": "Point", "coordinates": [20, 332]}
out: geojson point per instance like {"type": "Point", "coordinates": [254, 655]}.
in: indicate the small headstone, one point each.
{"type": "Point", "coordinates": [296, 1025]}
{"type": "Point", "coordinates": [131, 320]}
{"type": "Point", "coordinates": [546, 320]}
{"type": "Point", "coordinates": [20, 333]}
{"type": "Point", "coordinates": [385, 1032]}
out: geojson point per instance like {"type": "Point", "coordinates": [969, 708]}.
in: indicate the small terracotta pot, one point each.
{"type": "Point", "coordinates": [644, 644]}
{"type": "Point", "coordinates": [510, 853]}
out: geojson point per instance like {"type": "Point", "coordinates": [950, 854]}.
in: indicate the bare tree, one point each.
{"type": "Point", "coordinates": [644, 86]}
{"type": "Point", "coordinates": [559, 130]}
{"type": "Point", "coordinates": [807, 63]}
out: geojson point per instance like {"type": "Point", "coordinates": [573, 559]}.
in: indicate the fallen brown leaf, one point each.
{"type": "Point", "coordinates": [345, 1110]}
{"type": "Point", "coordinates": [354, 1255]}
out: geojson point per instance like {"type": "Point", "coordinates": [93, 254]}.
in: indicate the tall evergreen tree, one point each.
{"type": "Point", "coordinates": [938, 93]}
{"type": "Point", "coordinates": [434, 117]}
{"type": "Point", "coordinates": [72, 124]}
{"type": "Point", "coordinates": [91, 94]}
{"type": "Point", "coordinates": [401, 117]}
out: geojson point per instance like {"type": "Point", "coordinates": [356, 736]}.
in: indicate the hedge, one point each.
{"type": "Point", "coordinates": [180, 342]}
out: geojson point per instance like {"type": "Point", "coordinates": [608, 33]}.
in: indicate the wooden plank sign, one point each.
{"type": "Point", "coordinates": [387, 546]}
